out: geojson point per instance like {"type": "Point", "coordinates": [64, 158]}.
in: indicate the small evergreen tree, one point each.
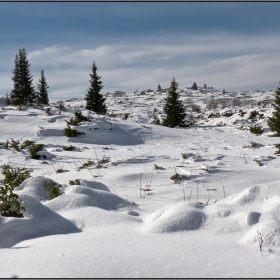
{"type": "Point", "coordinates": [205, 86]}
{"type": "Point", "coordinates": [159, 88]}
{"type": "Point", "coordinates": [274, 121]}
{"type": "Point", "coordinates": [94, 100]}
{"type": "Point", "coordinates": [42, 94]}
{"type": "Point", "coordinates": [8, 99]}
{"type": "Point", "coordinates": [173, 108]}
{"type": "Point", "coordinates": [23, 90]}
{"type": "Point", "coordinates": [194, 86]}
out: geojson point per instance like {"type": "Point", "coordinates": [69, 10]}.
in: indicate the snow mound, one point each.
{"type": "Point", "coordinates": [39, 221]}
{"type": "Point", "coordinates": [269, 229]}
{"type": "Point", "coordinates": [258, 193]}
{"type": "Point", "coordinates": [255, 208]}
{"type": "Point", "coordinates": [87, 218]}
{"type": "Point", "coordinates": [79, 196]}
{"type": "Point", "coordinates": [49, 132]}
{"type": "Point", "coordinates": [176, 217]}
{"type": "Point", "coordinates": [33, 186]}
{"type": "Point", "coordinates": [94, 185]}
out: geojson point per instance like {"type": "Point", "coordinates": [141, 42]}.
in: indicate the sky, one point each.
{"type": "Point", "coordinates": [138, 45]}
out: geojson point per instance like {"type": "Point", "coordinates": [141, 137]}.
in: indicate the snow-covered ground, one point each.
{"type": "Point", "coordinates": [127, 218]}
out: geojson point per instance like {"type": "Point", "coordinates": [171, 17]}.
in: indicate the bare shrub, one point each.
{"type": "Point", "coordinates": [212, 104]}
{"type": "Point", "coordinates": [236, 102]}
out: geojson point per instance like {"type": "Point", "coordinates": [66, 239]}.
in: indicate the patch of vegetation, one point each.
{"type": "Point", "coordinates": [278, 147]}
{"type": "Point", "coordinates": [27, 143]}
{"type": "Point", "coordinates": [69, 148]}
{"type": "Point", "coordinates": [255, 129]}
{"type": "Point", "coordinates": [156, 120]}
{"type": "Point", "coordinates": [61, 107]}
{"type": "Point", "coordinates": [68, 131]}
{"type": "Point", "coordinates": [227, 114]}
{"type": "Point", "coordinates": [241, 113]}
{"type": "Point", "coordinates": [178, 177]}
{"type": "Point", "coordinates": [236, 102]}
{"type": "Point", "coordinates": [195, 108]}
{"type": "Point", "coordinates": [33, 148]}
{"type": "Point", "coordinates": [61, 170]}
{"type": "Point", "coordinates": [254, 115]}
{"type": "Point", "coordinates": [14, 144]}
{"type": "Point", "coordinates": [256, 145]}
{"type": "Point", "coordinates": [48, 112]}
{"type": "Point", "coordinates": [52, 190]}
{"type": "Point", "coordinates": [184, 155]}
{"type": "Point", "coordinates": [15, 176]}
{"type": "Point", "coordinates": [6, 145]}
{"type": "Point", "coordinates": [125, 116]}
{"type": "Point", "coordinates": [77, 119]}
{"type": "Point", "coordinates": [9, 204]}
{"type": "Point", "coordinates": [75, 182]}
{"type": "Point", "coordinates": [156, 167]}
{"type": "Point", "coordinates": [212, 104]}
{"type": "Point", "coordinates": [86, 165]}
{"type": "Point", "coordinates": [214, 115]}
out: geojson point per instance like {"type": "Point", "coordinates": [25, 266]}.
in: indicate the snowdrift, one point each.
{"type": "Point", "coordinates": [176, 217]}
{"type": "Point", "coordinates": [256, 208]}
{"type": "Point", "coordinates": [39, 221]}
{"type": "Point", "coordinates": [33, 186]}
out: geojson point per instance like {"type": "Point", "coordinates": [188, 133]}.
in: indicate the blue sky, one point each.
{"type": "Point", "coordinates": [138, 45]}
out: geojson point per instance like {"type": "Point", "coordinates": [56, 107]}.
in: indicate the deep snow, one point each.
{"type": "Point", "coordinates": [128, 219]}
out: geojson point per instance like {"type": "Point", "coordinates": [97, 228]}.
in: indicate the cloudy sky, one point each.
{"type": "Point", "coordinates": [138, 45]}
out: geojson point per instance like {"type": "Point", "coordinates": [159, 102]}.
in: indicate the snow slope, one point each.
{"type": "Point", "coordinates": [127, 218]}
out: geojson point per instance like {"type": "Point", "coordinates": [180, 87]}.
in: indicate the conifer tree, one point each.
{"type": "Point", "coordinates": [274, 121]}
{"type": "Point", "coordinates": [173, 108]}
{"type": "Point", "coordinates": [42, 94]}
{"type": "Point", "coordinates": [23, 90]}
{"type": "Point", "coordinates": [194, 86]}
{"type": "Point", "coordinates": [94, 100]}
{"type": "Point", "coordinates": [8, 99]}
{"type": "Point", "coordinates": [159, 88]}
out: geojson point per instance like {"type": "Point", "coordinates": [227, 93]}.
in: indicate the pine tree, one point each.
{"type": "Point", "coordinates": [23, 90]}
{"type": "Point", "coordinates": [94, 100]}
{"type": "Point", "coordinates": [274, 121]}
{"type": "Point", "coordinates": [173, 108]}
{"type": "Point", "coordinates": [194, 86]}
{"type": "Point", "coordinates": [205, 86]}
{"type": "Point", "coordinates": [159, 88]}
{"type": "Point", "coordinates": [42, 94]}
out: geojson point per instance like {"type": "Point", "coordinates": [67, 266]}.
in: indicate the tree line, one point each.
{"type": "Point", "coordinates": [24, 93]}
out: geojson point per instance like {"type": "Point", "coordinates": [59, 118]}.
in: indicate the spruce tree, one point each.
{"type": "Point", "coordinates": [194, 86]}
{"type": "Point", "coordinates": [274, 121]}
{"type": "Point", "coordinates": [23, 90]}
{"type": "Point", "coordinates": [42, 94]}
{"type": "Point", "coordinates": [94, 100]}
{"type": "Point", "coordinates": [159, 88]}
{"type": "Point", "coordinates": [173, 108]}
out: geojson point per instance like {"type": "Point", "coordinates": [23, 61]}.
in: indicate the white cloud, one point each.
{"type": "Point", "coordinates": [220, 60]}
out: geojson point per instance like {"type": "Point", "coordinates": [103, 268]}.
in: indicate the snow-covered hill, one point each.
{"type": "Point", "coordinates": [122, 215]}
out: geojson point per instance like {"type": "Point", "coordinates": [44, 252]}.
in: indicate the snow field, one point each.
{"type": "Point", "coordinates": [128, 219]}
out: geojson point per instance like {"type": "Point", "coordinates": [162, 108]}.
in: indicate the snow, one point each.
{"type": "Point", "coordinates": [126, 218]}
